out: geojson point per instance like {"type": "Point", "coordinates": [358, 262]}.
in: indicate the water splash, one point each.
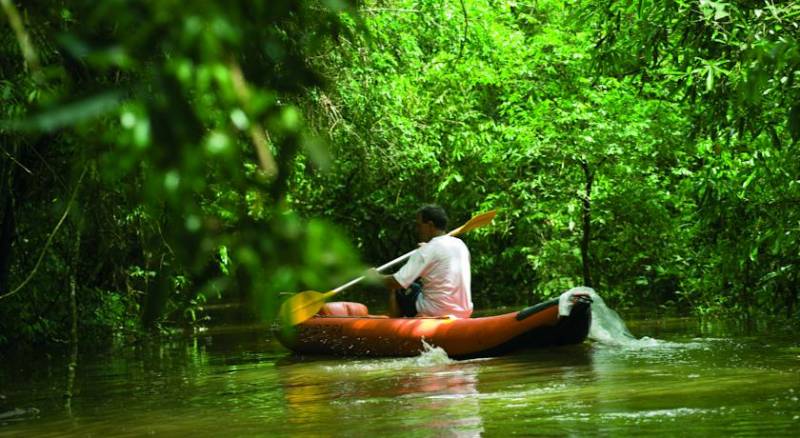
{"type": "Point", "coordinates": [431, 355]}
{"type": "Point", "coordinates": [608, 328]}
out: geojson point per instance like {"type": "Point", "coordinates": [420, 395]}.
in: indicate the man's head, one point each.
{"type": "Point", "coordinates": [431, 222]}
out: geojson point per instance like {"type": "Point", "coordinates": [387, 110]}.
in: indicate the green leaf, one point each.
{"type": "Point", "coordinates": [720, 11]}
{"type": "Point", "coordinates": [68, 114]}
{"type": "Point", "coordinates": [709, 79]}
{"type": "Point", "coordinates": [749, 180]}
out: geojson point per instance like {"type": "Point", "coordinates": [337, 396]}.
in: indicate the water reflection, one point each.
{"type": "Point", "coordinates": [243, 385]}
{"type": "Point", "coordinates": [410, 393]}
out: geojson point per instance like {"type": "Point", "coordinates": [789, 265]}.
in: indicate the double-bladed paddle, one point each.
{"type": "Point", "coordinates": [302, 306]}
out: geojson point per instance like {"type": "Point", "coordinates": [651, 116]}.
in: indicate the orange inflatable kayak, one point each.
{"type": "Point", "coordinates": [346, 329]}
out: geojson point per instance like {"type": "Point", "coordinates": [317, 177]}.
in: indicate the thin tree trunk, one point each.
{"type": "Point", "coordinates": [587, 223]}
{"type": "Point", "coordinates": [7, 231]}
{"type": "Point", "coordinates": [73, 303]}
{"type": "Point", "coordinates": [8, 228]}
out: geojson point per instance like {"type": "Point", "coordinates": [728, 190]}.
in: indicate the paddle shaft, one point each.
{"type": "Point", "coordinates": [380, 268]}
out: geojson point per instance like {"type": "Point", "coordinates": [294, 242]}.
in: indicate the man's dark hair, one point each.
{"type": "Point", "coordinates": [433, 213]}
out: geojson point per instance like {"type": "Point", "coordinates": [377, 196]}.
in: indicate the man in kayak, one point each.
{"type": "Point", "coordinates": [442, 262]}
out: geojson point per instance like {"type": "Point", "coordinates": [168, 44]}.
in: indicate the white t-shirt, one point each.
{"type": "Point", "coordinates": [443, 264]}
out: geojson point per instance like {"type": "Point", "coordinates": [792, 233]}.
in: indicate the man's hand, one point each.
{"type": "Point", "coordinates": [373, 277]}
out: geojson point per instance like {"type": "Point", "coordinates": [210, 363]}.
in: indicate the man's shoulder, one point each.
{"type": "Point", "coordinates": [443, 240]}
{"type": "Point", "coordinates": [447, 242]}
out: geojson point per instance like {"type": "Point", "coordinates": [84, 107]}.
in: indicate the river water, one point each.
{"type": "Point", "coordinates": [678, 376]}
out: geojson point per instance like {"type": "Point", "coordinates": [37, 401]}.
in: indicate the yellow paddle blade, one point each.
{"type": "Point", "coordinates": [302, 306]}
{"type": "Point", "coordinates": [477, 221]}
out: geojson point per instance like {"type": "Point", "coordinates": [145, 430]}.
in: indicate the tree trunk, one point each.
{"type": "Point", "coordinates": [7, 231]}
{"type": "Point", "coordinates": [8, 227]}
{"type": "Point", "coordinates": [73, 304]}
{"type": "Point", "coordinates": [587, 223]}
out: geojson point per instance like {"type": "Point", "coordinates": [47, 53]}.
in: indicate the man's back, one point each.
{"type": "Point", "coordinates": [444, 265]}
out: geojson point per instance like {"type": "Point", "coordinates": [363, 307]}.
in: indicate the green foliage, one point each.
{"type": "Point", "coordinates": [521, 104]}
{"type": "Point", "coordinates": [733, 67]}
{"type": "Point", "coordinates": [504, 123]}
{"type": "Point", "coordinates": [243, 149]}
{"type": "Point", "coordinates": [185, 117]}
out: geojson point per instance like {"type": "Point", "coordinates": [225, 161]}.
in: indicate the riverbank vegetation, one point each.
{"type": "Point", "coordinates": [156, 155]}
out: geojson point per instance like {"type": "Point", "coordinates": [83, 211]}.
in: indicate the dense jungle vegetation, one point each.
{"type": "Point", "coordinates": [156, 155]}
